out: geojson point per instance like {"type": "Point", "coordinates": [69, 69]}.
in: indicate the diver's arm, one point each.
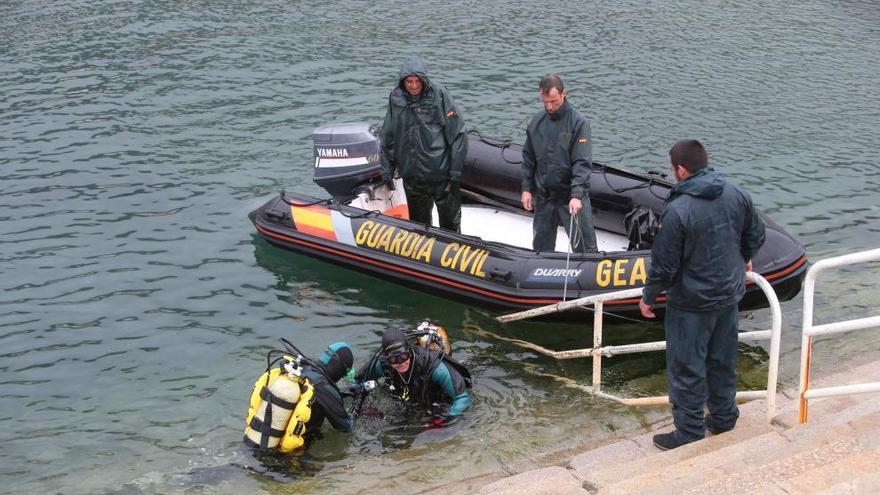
{"type": "Point", "coordinates": [334, 409]}
{"type": "Point", "coordinates": [442, 378]}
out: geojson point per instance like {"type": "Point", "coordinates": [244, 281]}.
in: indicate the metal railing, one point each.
{"type": "Point", "coordinates": [809, 331]}
{"type": "Point", "coordinates": [597, 351]}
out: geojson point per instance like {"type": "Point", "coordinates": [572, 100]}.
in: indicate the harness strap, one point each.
{"type": "Point", "coordinates": [266, 427]}
{"type": "Point", "coordinates": [258, 425]}
{"type": "Point", "coordinates": [268, 396]}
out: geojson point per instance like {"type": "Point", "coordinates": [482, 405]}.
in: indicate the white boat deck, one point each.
{"type": "Point", "coordinates": [488, 223]}
{"type": "Point", "coordinates": [516, 229]}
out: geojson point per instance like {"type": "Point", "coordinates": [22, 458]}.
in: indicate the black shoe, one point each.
{"type": "Point", "coordinates": [718, 431]}
{"type": "Point", "coordinates": [667, 441]}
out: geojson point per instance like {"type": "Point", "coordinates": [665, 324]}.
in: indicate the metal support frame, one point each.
{"type": "Point", "coordinates": [809, 331]}
{"type": "Point", "coordinates": [597, 351]}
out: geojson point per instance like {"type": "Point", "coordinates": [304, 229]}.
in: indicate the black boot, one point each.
{"type": "Point", "coordinates": [668, 441]}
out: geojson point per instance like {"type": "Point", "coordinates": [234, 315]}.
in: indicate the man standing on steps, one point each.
{"type": "Point", "coordinates": [707, 236]}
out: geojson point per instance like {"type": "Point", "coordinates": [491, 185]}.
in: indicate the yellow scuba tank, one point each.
{"type": "Point", "coordinates": [275, 396]}
{"type": "Point", "coordinates": [434, 337]}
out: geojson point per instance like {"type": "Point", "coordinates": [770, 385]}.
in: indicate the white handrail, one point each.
{"type": "Point", "coordinates": [597, 351]}
{"type": "Point", "coordinates": [574, 303]}
{"type": "Point", "coordinates": [809, 331]}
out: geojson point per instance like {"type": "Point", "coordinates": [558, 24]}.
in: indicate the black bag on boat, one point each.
{"type": "Point", "coordinates": [641, 227]}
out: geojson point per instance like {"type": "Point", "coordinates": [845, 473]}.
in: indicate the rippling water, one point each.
{"type": "Point", "coordinates": [136, 304]}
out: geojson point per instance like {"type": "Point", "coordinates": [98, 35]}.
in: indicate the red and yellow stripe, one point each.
{"type": "Point", "coordinates": [313, 220]}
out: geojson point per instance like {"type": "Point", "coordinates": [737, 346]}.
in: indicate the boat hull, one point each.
{"type": "Point", "coordinates": [490, 275]}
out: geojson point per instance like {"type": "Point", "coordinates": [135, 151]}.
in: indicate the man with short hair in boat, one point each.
{"type": "Point", "coordinates": [424, 142]}
{"type": "Point", "coordinates": [704, 245]}
{"type": "Point", "coordinates": [556, 168]}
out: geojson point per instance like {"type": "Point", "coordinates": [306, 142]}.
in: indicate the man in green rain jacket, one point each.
{"type": "Point", "coordinates": [556, 168]}
{"type": "Point", "coordinates": [424, 142]}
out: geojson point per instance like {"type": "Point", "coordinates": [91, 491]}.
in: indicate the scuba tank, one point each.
{"type": "Point", "coordinates": [282, 399]}
{"type": "Point", "coordinates": [275, 396]}
{"type": "Point", "coordinates": [430, 336]}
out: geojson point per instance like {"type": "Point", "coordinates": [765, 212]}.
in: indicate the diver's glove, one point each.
{"type": "Point", "coordinates": [359, 389]}
{"type": "Point", "coordinates": [442, 421]}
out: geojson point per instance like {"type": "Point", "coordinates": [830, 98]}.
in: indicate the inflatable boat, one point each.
{"type": "Point", "coordinates": [364, 226]}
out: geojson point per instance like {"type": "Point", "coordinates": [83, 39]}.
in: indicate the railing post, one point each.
{"type": "Point", "coordinates": [808, 330]}
{"type": "Point", "coordinates": [775, 340]}
{"type": "Point", "coordinates": [806, 344]}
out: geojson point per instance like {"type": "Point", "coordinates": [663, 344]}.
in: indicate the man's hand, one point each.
{"type": "Point", "coordinates": [574, 206]}
{"type": "Point", "coordinates": [646, 310]}
{"type": "Point", "coordinates": [527, 200]}
{"type": "Point", "coordinates": [749, 265]}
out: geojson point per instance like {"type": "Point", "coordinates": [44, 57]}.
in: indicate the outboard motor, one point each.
{"type": "Point", "coordinates": [346, 158]}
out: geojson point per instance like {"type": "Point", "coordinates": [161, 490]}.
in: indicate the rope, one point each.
{"type": "Point", "coordinates": [568, 256]}
{"type": "Point", "coordinates": [291, 202]}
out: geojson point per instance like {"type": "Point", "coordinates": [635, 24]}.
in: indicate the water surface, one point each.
{"type": "Point", "coordinates": [136, 303]}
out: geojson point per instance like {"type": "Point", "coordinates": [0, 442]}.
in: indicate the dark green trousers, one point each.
{"type": "Point", "coordinates": [550, 212]}
{"type": "Point", "coordinates": [422, 196]}
{"type": "Point", "coordinates": [701, 369]}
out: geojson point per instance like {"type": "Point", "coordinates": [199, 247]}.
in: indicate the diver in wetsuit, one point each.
{"type": "Point", "coordinates": [419, 375]}
{"type": "Point", "coordinates": [289, 403]}
{"type": "Point", "coordinates": [333, 364]}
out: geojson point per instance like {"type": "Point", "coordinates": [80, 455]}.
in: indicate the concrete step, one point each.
{"type": "Point", "coordinates": [846, 470]}
{"type": "Point", "coordinates": [760, 462]}
{"type": "Point", "coordinates": [836, 452]}
{"type": "Point", "coordinates": [554, 480]}
{"type": "Point", "coordinates": [820, 408]}
{"type": "Point", "coordinates": [828, 411]}
{"type": "Point", "coordinates": [635, 457]}
{"type": "Point", "coordinates": [866, 484]}
{"type": "Point", "coordinates": [680, 469]}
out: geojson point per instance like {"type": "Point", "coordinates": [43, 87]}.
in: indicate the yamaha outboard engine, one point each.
{"type": "Point", "coordinates": [346, 158]}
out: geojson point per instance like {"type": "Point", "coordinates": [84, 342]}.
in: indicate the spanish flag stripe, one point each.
{"type": "Point", "coordinates": [313, 220]}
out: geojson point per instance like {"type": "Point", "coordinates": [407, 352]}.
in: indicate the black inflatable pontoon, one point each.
{"type": "Point", "coordinates": [490, 265]}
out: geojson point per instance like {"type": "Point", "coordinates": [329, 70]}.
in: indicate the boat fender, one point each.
{"type": "Point", "coordinates": [272, 404]}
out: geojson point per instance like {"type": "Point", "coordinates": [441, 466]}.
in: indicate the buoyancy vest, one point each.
{"type": "Point", "coordinates": [294, 435]}
{"type": "Point", "coordinates": [280, 406]}
{"type": "Point", "coordinates": [417, 385]}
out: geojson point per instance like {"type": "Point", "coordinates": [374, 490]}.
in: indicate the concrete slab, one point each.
{"type": "Point", "coordinates": [868, 484]}
{"type": "Point", "coordinates": [657, 476]}
{"type": "Point", "coordinates": [658, 461]}
{"type": "Point", "coordinates": [548, 481]}
{"type": "Point", "coordinates": [842, 439]}
{"type": "Point", "coordinates": [830, 474]}
{"type": "Point", "coordinates": [585, 466]}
